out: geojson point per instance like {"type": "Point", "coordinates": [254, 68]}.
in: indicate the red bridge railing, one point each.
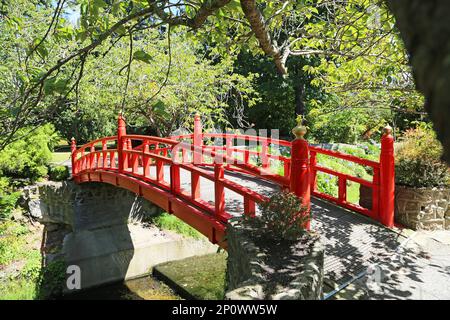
{"type": "Point", "coordinates": [141, 169]}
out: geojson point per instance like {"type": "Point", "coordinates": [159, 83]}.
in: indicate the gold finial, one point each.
{"type": "Point", "coordinates": [387, 129]}
{"type": "Point", "coordinates": [300, 130]}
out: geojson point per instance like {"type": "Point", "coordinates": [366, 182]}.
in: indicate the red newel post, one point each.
{"type": "Point", "coordinates": [300, 180]}
{"type": "Point", "coordinates": [198, 139]}
{"type": "Point", "coordinates": [73, 149]}
{"type": "Point", "coordinates": [121, 131]}
{"type": "Point", "coordinates": [387, 178]}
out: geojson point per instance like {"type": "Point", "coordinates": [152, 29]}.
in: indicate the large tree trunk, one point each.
{"type": "Point", "coordinates": [425, 28]}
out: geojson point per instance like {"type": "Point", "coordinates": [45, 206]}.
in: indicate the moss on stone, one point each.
{"type": "Point", "coordinates": [200, 277]}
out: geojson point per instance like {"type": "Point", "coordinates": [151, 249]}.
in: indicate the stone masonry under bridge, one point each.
{"type": "Point", "coordinates": [103, 230]}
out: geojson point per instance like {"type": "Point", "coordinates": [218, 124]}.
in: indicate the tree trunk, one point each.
{"type": "Point", "coordinates": [425, 29]}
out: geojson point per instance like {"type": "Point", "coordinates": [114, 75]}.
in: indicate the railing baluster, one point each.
{"type": "Point", "coordinates": [219, 190]}
{"type": "Point", "coordinates": [197, 140]}
{"type": "Point", "coordinates": [184, 155]}
{"type": "Point", "coordinates": [375, 192]}
{"type": "Point", "coordinates": [83, 160]}
{"type": "Point", "coordinates": [175, 178]}
{"type": "Point", "coordinates": [159, 171]}
{"type": "Point", "coordinates": [228, 149]}
{"type": "Point", "coordinates": [249, 207]}
{"type": "Point", "coordinates": [313, 171]}
{"type": "Point", "coordinates": [134, 162]}
{"type": "Point", "coordinates": [246, 154]}
{"type": "Point", "coordinates": [264, 157]}
{"type": "Point", "coordinates": [104, 154]}
{"type": "Point", "coordinates": [145, 160]}
{"type": "Point", "coordinates": [92, 157]}
{"type": "Point", "coordinates": [112, 160]}
{"type": "Point", "coordinates": [342, 189]}
{"type": "Point", "coordinates": [195, 185]}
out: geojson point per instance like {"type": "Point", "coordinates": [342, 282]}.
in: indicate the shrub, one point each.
{"type": "Point", "coordinates": [29, 156]}
{"type": "Point", "coordinates": [51, 279]}
{"type": "Point", "coordinates": [8, 199]}
{"type": "Point", "coordinates": [58, 173]}
{"type": "Point", "coordinates": [417, 159]}
{"type": "Point", "coordinates": [284, 216]}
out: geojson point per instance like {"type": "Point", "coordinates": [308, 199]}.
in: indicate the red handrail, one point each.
{"type": "Point", "coordinates": [130, 168]}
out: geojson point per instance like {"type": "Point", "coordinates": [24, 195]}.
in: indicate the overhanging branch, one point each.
{"type": "Point", "coordinates": [258, 25]}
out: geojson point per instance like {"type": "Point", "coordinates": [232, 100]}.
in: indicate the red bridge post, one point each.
{"type": "Point", "coordinates": [300, 179]}
{"type": "Point", "coordinates": [198, 139]}
{"type": "Point", "coordinates": [121, 131]}
{"type": "Point", "coordinates": [196, 156]}
{"type": "Point", "coordinates": [387, 178]}
{"type": "Point", "coordinates": [73, 149]}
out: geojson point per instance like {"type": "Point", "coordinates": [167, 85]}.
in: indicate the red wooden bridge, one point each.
{"type": "Point", "coordinates": [154, 168]}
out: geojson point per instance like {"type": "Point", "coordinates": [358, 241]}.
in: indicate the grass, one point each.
{"type": "Point", "coordinates": [58, 157]}
{"type": "Point", "coordinates": [20, 255]}
{"type": "Point", "coordinates": [16, 248]}
{"type": "Point", "coordinates": [18, 289]}
{"type": "Point", "coordinates": [200, 277]}
{"type": "Point", "coordinates": [167, 221]}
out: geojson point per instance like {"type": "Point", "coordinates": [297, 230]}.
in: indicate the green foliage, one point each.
{"type": "Point", "coordinates": [12, 242]}
{"type": "Point", "coordinates": [167, 221]}
{"type": "Point", "coordinates": [417, 159]}
{"type": "Point", "coordinates": [328, 183]}
{"type": "Point", "coordinates": [51, 279]}
{"type": "Point", "coordinates": [284, 216]}
{"type": "Point", "coordinates": [58, 173]}
{"type": "Point", "coordinates": [31, 281]}
{"type": "Point", "coordinates": [158, 99]}
{"type": "Point", "coordinates": [8, 198]}
{"type": "Point", "coordinates": [275, 109]}
{"type": "Point", "coordinates": [28, 157]}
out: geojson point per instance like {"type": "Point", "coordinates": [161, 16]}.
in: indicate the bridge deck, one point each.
{"type": "Point", "coordinates": [353, 241]}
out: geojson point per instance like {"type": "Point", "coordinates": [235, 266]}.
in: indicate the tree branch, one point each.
{"type": "Point", "coordinates": [258, 25]}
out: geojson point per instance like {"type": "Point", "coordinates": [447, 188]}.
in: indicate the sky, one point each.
{"type": "Point", "coordinates": [73, 15]}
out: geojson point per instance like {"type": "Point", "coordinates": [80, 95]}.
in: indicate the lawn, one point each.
{"type": "Point", "coordinates": [59, 157]}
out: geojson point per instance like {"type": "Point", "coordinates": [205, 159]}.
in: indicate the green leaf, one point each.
{"type": "Point", "coordinates": [81, 36]}
{"type": "Point", "coordinates": [55, 86]}
{"type": "Point", "coordinates": [160, 108]}
{"type": "Point", "coordinates": [100, 4]}
{"type": "Point", "coordinates": [143, 56]}
{"type": "Point", "coordinates": [121, 30]}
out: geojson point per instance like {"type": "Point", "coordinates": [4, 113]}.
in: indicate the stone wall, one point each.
{"type": "Point", "coordinates": [267, 270]}
{"type": "Point", "coordinates": [422, 208]}
{"type": "Point", "coordinates": [102, 229]}
{"type": "Point", "coordinates": [87, 206]}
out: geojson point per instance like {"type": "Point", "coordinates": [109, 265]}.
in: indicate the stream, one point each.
{"type": "Point", "coordinates": [144, 288]}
